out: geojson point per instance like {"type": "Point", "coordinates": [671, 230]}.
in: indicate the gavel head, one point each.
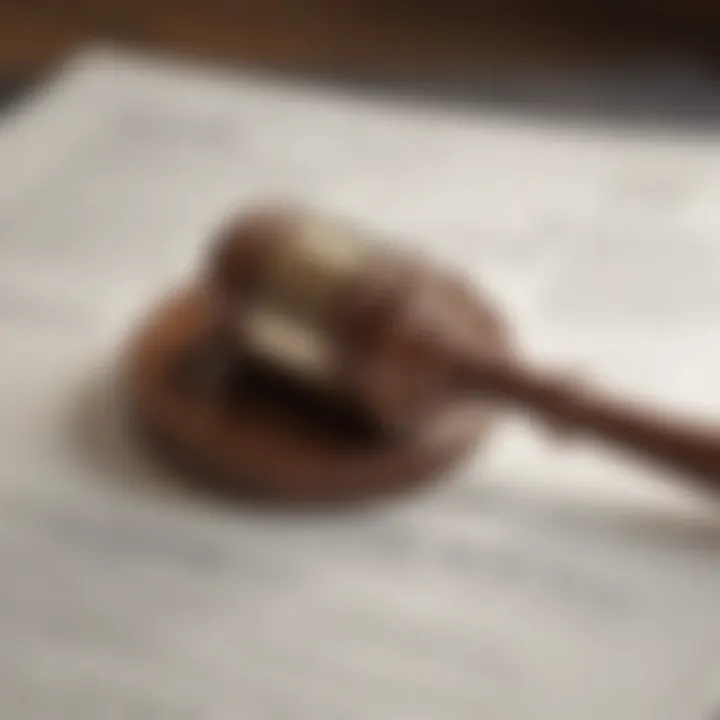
{"type": "Point", "coordinates": [311, 363]}
{"type": "Point", "coordinates": [333, 307]}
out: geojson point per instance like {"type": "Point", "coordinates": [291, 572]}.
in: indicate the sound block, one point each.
{"type": "Point", "coordinates": [231, 426]}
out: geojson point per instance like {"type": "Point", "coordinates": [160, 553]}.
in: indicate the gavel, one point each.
{"type": "Point", "coordinates": [311, 361]}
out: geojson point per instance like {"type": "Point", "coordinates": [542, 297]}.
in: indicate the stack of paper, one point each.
{"type": "Point", "coordinates": [541, 583]}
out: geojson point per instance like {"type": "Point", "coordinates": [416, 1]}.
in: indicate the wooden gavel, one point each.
{"type": "Point", "coordinates": [312, 362]}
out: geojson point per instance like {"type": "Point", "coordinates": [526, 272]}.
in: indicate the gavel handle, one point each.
{"type": "Point", "coordinates": [694, 451]}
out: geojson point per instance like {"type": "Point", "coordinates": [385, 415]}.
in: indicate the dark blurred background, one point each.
{"type": "Point", "coordinates": [348, 35]}
{"type": "Point", "coordinates": [649, 59]}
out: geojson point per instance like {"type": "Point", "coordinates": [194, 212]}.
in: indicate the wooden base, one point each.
{"type": "Point", "coordinates": [234, 428]}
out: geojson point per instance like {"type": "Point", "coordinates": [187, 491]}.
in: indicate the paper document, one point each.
{"type": "Point", "coordinates": [540, 583]}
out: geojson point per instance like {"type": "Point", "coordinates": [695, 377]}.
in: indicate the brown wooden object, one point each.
{"type": "Point", "coordinates": [311, 362]}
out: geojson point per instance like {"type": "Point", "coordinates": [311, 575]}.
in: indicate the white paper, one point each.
{"type": "Point", "coordinates": [539, 583]}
